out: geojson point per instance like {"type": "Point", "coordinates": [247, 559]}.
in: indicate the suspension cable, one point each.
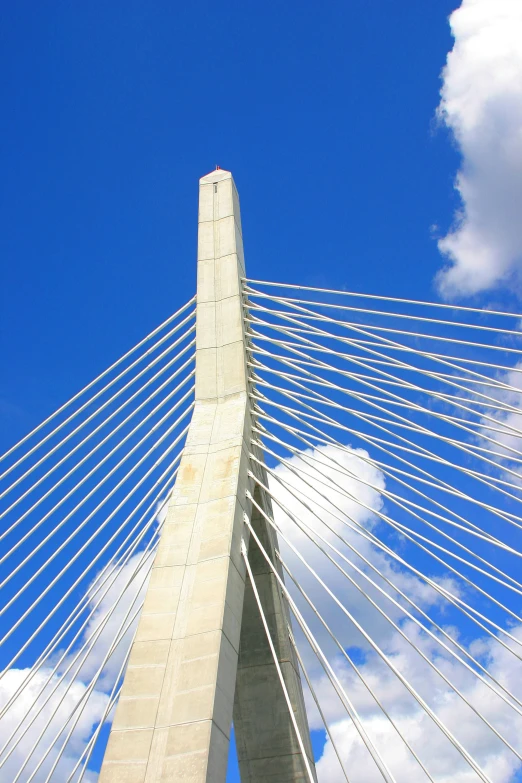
{"type": "Point", "coordinates": [98, 378]}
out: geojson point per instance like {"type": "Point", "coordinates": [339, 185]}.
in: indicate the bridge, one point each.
{"type": "Point", "coordinates": [289, 510]}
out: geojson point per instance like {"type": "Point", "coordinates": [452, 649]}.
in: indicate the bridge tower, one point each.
{"type": "Point", "coordinates": [201, 657]}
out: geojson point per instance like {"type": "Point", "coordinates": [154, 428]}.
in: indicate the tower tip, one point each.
{"type": "Point", "coordinates": [217, 175]}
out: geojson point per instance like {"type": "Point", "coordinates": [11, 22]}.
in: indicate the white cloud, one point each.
{"type": "Point", "coordinates": [443, 761]}
{"type": "Point", "coordinates": [362, 509]}
{"type": "Point", "coordinates": [481, 103]}
{"type": "Point", "coordinates": [21, 710]}
{"type": "Point", "coordinates": [115, 605]}
{"type": "Point", "coordinates": [64, 699]}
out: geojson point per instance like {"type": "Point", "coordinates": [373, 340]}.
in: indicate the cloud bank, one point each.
{"type": "Point", "coordinates": [481, 104]}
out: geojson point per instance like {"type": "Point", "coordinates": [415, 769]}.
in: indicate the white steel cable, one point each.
{"type": "Point", "coordinates": [98, 394]}
{"type": "Point", "coordinates": [405, 531]}
{"type": "Point", "coordinates": [89, 748]}
{"type": "Point", "coordinates": [58, 577]}
{"type": "Point", "coordinates": [373, 440]}
{"type": "Point", "coordinates": [399, 382]}
{"type": "Point", "coordinates": [93, 561]}
{"type": "Point", "coordinates": [370, 537]}
{"type": "Point", "coordinates": [303, 436]}
{"type": "Point", "coordinates": [398, 400]}
{"type": "Point", "coordinates": [87, 752]}
{"type": "Point", "coordinates": [318, 705]}
{"type": "Point", "coordinates": [118, 677]}
{"type": "Point", "coordinates": [100, 483]}
{"type": "Point", "coordinates": [489, 381]}
{"type": "Point", "coordinates": [317, 397]}
{"type": "Point", "coordinates": [103, 576]}
{"type": "Point", "coordinates": [417, 450]}
{"type": "Point", "coordinates": [459, 603]}
{"type": "Point", "coordinates": [480, 310]}
{"type": "Point", "coordinates": [300, 435]}
{"type": "Point", "coordinates": [85, 650]}
{"type": "Point", "coordinates": [470, 527]}
{"type": "Point", "coordinates": [390, 314]}
{"type": "Point", "coordinates": [492, 482]}
{"type": "Point", "coordinates": [394, 380]}
{"type": "Point", "coordinates": [98, 378]}
{"type": "Point", "coordinates": [299, 364]}
{"type": "Point", "coordinates": [364, 397]}
{"type": "Point", "coordinates": [358, 673]}
{"type": "Point", "coordinates": [120, 633]}
{"type": "Point", "coordinates": [398, 500]}
{"type": "Point", "coordinates": [502, 429]}
{"type": "Point", "coordinates": [101, 462]}
{"type": "Point", "coordinates": [399, 630]}
{"type": "Point", "coordinates": [433, 584]}
{"type": "Point", "coordinates": [420, 408]}
{"type": "Point", "coordinates": [69, 591]}
{"type": "Point", "coordinates": [287, 344]}
{"type": "Point", "coordinates": [86, 544]}
{"type": "Point", "coordinates": [115, 570]}
{"type": "Point", "coordinates": [119, 636]}
{"type": "Point", "coordinates": [354, 667]}
{"type": "Point", "coordinates": [433, 481]}
{"type": "Point", "coordinates": [311, 776]}
{"type": "Point", "coordinates": [401, 365]}
{"type": "Point", "coordinates": [75, 722]}
{"type": "Point", "coordinates": [84, 422]}
{"type": "Point", "coordinates": [83, 699]}
{"type": "Point", "coordinates": [400, 347]}
{"type": "Point", "coordinates": [511, 698]}
{"type": "Point", "coordinates": [360, 328]}
{"type": "Point", "coordinates": [300, 523]}
{"type": "Point", "coordinates": [391, 470]}
{"type": "Point", "coordinates": [69, 454]}
{"type": "Point", "coordinates": [149, 546]}
{"type": "Point", "coordinates": [343, 696]}
{"type": "Point", "coordinates": [400, 528]}
{"type": "Point", "coordinates": [480, 380]}
{"type": "Point", "coordinates": [463, 752]}
{"type": "Point", "coordinates": [297, 380]}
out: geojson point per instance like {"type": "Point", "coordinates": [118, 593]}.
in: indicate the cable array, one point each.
{"type": "Point", "coordinates": [83, 498]}
{"type": "Point", "coordinates": [385, 454]}
{"type": "Point", "coordinates": [390, 441]}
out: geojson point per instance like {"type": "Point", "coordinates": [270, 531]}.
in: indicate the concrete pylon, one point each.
{"type": "Point", "coordinates": [200, 658]}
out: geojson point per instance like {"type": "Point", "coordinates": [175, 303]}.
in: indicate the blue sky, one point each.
{"type": "Point", "coordinates": [326, 115]}
{"type": "Point", "coordinates": [112, 111]}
